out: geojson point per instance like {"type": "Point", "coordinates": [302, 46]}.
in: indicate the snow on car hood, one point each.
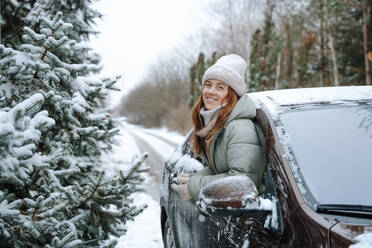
{"type": "Point", "coordinates": [363, 241]}
{"type": "Point", "coordinates": [279, 100]}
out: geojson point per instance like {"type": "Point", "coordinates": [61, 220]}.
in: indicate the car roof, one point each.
{"type": "Point", "coordinates": [277, 101]}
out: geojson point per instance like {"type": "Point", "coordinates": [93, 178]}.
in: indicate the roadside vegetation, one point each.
{"type": "Point", "coordinates": [287, 44]}
{"type": "Point", "coordinates": [55, 135]}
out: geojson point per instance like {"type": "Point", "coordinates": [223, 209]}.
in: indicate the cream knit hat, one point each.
{"type": "Point", "coordinates": [229, 69]}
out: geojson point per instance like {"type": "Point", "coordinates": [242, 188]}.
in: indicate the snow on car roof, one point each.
{"type": "Point", "coordinates": [278, 100]}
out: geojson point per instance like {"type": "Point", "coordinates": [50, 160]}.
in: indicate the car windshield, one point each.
{"type": "Point", "coordinates": [332, 147]}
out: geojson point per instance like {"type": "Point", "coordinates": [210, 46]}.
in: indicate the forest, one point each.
{"type": "Point", "coordinates": [287, 44]}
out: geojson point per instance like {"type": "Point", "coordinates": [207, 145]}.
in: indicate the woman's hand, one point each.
{"type": "Point", "coordinates": [181, 185]}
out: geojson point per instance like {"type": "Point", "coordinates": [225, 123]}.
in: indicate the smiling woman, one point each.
{"type": "Point", "coordinates": [224, 136]}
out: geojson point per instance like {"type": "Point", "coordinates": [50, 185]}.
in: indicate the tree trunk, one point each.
{"type": "Point", "coordinates": [334, 61]}
{"type": "Point", "coordinates": [0, 23]}
{"type": "Point", "coordinates": [332, 46]}
{"type": "Point", "coordinates": [365, 43]}
{"type": "Point", "coordinates": [231, 29]}
{"type": "Point", "coordinates": [288, 56]}
{"type": "Point", "coordinates": [322, 45]}
{"type": "Point", "coordinates": [278, 71]}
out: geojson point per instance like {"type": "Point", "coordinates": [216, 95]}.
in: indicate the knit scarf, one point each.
{"type": "Point", "coordinates": [210, 118]}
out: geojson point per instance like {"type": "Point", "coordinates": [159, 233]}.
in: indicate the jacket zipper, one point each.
{"type": "Point", "coordinates": [211, 159]}
{"type": "Point", "coordinates": [210, 164]}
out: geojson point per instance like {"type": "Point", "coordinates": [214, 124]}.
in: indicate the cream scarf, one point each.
{"type": "Point", "coordinates": [210, 117]}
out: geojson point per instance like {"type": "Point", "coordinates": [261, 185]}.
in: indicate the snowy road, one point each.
{"type": "Point", "coordinates": [155, 161]}
{"type": "Point", "coordinates": [145, 231]}
{"type": "Point", "coordinates": [159, 146]}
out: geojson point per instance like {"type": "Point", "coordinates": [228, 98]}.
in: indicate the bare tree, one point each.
{"type": "Point", "coordinates": [323, 35]}
{"type": "Point", "coordinates": [278, 71]}
{"type": "Point", "coordinates": [161, 93]}
{"type": "Point", "coordinates": [235, 22]}
{"type": "Point", "coordinates": [329, 24]}
{"type": "Point", "coordinates": [365, 43]}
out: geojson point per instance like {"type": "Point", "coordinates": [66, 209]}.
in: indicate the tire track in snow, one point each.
{"type": "Point", "coordinates": [155, 160]}
{"type": "Point", "coordinates": [161, 138]}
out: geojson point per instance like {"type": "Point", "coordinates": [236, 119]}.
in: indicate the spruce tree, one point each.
{"type": "Point", "coordinates": [77, 12]}
{"type": "Point", "coordinates": [264, 54]}
{"type": "Point", "coordinates": [12, 16]}
{"type": "Point", "coordinates": [53, 134]}
{"type": "Point", "coordinates": [196, 75]}
{"type": "Point", "coordinates": [349, 39]}
{"type": "Point", "coordinates": [20, 13]}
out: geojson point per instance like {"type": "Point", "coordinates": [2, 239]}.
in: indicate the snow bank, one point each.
{"type": "Point", "coordinates": [161, 146]}
{"type": "Point", "coordinates": [175, 137]}
{"type": "Point", "coordinates": [121, 155]}
{"type": "Point", "coordinates": [145, 231]}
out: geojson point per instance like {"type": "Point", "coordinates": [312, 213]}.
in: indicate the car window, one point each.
{"type": "Point", "coordinates": [332, 148]}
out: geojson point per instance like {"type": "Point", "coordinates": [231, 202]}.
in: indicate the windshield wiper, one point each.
{"type": "Point", "coordinates": [360, 211]}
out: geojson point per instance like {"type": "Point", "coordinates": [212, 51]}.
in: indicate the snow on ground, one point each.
{"type": "Point", "coordinates": [145, 231]}
{"type": "Point", "coordinates": [162, 141]}
{"type": "Point", "coordinates": [122, 152]}
{"type": "Point", "coordinates": [171, 136]}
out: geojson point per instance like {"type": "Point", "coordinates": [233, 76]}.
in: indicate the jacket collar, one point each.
{"type": "Point", "coordinates": [244, 109]}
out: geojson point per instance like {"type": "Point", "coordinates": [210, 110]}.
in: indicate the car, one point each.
{"type": "Point", "coordinates": [318, 148]}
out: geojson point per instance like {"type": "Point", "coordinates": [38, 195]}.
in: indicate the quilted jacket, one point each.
{"type": "Point", "coordinates": [234, 150]}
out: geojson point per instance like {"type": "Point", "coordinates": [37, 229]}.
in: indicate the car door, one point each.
{"type": "Point", "coordinates": [192, 229]}
{"type": "Point", "coordinates": [189, 227]}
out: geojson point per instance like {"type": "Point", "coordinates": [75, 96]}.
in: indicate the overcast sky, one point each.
{"type": "Point", "coordinates": [135, 33]}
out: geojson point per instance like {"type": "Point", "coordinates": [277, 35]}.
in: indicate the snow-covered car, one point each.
{"type": "Point", "coordinates": [318, 144]}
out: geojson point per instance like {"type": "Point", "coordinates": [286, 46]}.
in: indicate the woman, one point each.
{"type": "Point", "coordinates": [224, 136]}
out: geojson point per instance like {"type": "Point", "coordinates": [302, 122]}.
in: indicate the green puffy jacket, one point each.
{"type": "Point", "coordinates": [234, 150]}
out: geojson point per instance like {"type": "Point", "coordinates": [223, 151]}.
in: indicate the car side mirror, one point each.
{"type": "Point", "coordinates": [233, 196]}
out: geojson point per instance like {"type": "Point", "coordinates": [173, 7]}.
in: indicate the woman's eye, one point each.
{"type": "Point", "coordinates": [220, 88]}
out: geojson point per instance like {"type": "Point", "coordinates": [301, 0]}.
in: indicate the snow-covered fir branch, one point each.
{"type": "Point", "coordinates": [53, 132]}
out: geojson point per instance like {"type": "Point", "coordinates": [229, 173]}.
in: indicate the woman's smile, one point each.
{"type": "Point", "coordinates": [211, 99]}
{"type": "Point", "coordinates": [213, 93]}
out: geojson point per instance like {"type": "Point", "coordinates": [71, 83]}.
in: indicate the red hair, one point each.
{"type": "Point", "coordinates": [230, 99]}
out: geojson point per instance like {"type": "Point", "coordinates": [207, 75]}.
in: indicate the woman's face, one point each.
{"type": "Point", "coordinates": [213, 93]}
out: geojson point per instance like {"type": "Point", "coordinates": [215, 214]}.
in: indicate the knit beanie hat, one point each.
{"type": "Point", "coordinates": [229, 69]}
